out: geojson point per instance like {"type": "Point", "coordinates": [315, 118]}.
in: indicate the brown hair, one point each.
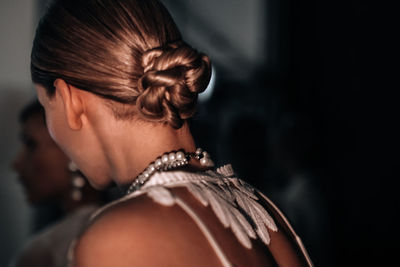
{"type": "Point", "coordinates": [128, 51]}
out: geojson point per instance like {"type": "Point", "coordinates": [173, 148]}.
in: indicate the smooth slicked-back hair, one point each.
{"type": "Point", "coordinates": [127, 51]}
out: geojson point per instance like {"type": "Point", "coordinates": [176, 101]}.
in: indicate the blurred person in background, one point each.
{"type": "Point", "coordinates": [50, 179]}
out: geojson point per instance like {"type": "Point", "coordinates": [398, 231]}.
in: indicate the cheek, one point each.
{"type": "Point", "coordinates": [57, 128]}
{"type": "Point", "coordinates": [94, 171]}
{"type": "Point", "coordinates": [51, 124]}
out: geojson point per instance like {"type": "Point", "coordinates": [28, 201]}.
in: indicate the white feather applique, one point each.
{"type": "Point", "coordinates": [232, 200]}
{"type": "Point", "coordinates": [161, 195]}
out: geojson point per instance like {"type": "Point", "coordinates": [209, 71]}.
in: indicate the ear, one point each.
{"type": "Point", "coordinates": [73, 104]}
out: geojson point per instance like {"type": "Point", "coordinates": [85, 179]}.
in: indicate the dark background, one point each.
{"type": "Point", "coordinates": [303, 106]}
{"type": "Point", "coordinates": [319, 111]}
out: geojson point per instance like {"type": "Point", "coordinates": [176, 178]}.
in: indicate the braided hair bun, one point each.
{"type": "Point", "coordinates": [126, 51]}
{"type": "Point", "coordinates": [173, 77]}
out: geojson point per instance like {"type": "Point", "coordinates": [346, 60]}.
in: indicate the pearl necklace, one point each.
{"type": "Point", "coordinates": [168, 161]}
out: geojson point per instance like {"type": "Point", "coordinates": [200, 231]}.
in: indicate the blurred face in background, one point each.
{"type": "Point", "coordinates": [41, 166]}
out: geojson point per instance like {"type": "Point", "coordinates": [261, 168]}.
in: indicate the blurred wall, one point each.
{"type": "Point", "coordinates": [17, 19]}
{"type": "Point", "coordinates": [231, 32]}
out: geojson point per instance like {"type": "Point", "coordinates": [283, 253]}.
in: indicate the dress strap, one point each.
{"type": "Point", "coordinates": [204, 229]}
{"type": "Point", "coordinates": [165, 197]}
{"type": "Point", "coordinates": [289, 226]}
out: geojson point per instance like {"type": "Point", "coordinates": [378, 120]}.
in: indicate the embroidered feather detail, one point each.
{"type": "Point", "coordinates": [232, 200]}
{"type": "Point", "coordinates": [161, 195]}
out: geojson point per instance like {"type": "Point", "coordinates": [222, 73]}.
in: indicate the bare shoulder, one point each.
{"type": "Point", "coordinates": [143, 233]}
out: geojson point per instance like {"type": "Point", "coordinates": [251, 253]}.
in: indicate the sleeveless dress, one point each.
{"type": "Point", "coordinates": [237, 205]}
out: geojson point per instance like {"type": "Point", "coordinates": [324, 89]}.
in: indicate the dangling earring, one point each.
{"type": "Point", "coordinates": [78, 182]}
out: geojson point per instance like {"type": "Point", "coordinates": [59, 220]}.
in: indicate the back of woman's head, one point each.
{"type": "Point", "coordinates": [127, 51]}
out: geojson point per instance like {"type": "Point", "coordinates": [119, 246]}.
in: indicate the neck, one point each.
{"type": "Point", "coordinates": [129, 153]}
{"type": "Point", "coordinates": [89, 197]}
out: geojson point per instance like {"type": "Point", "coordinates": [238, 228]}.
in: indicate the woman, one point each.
{"type": "Point", "coordinates": [46, 175]}
{"type": "Point", "coordinates": [118, 85]}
